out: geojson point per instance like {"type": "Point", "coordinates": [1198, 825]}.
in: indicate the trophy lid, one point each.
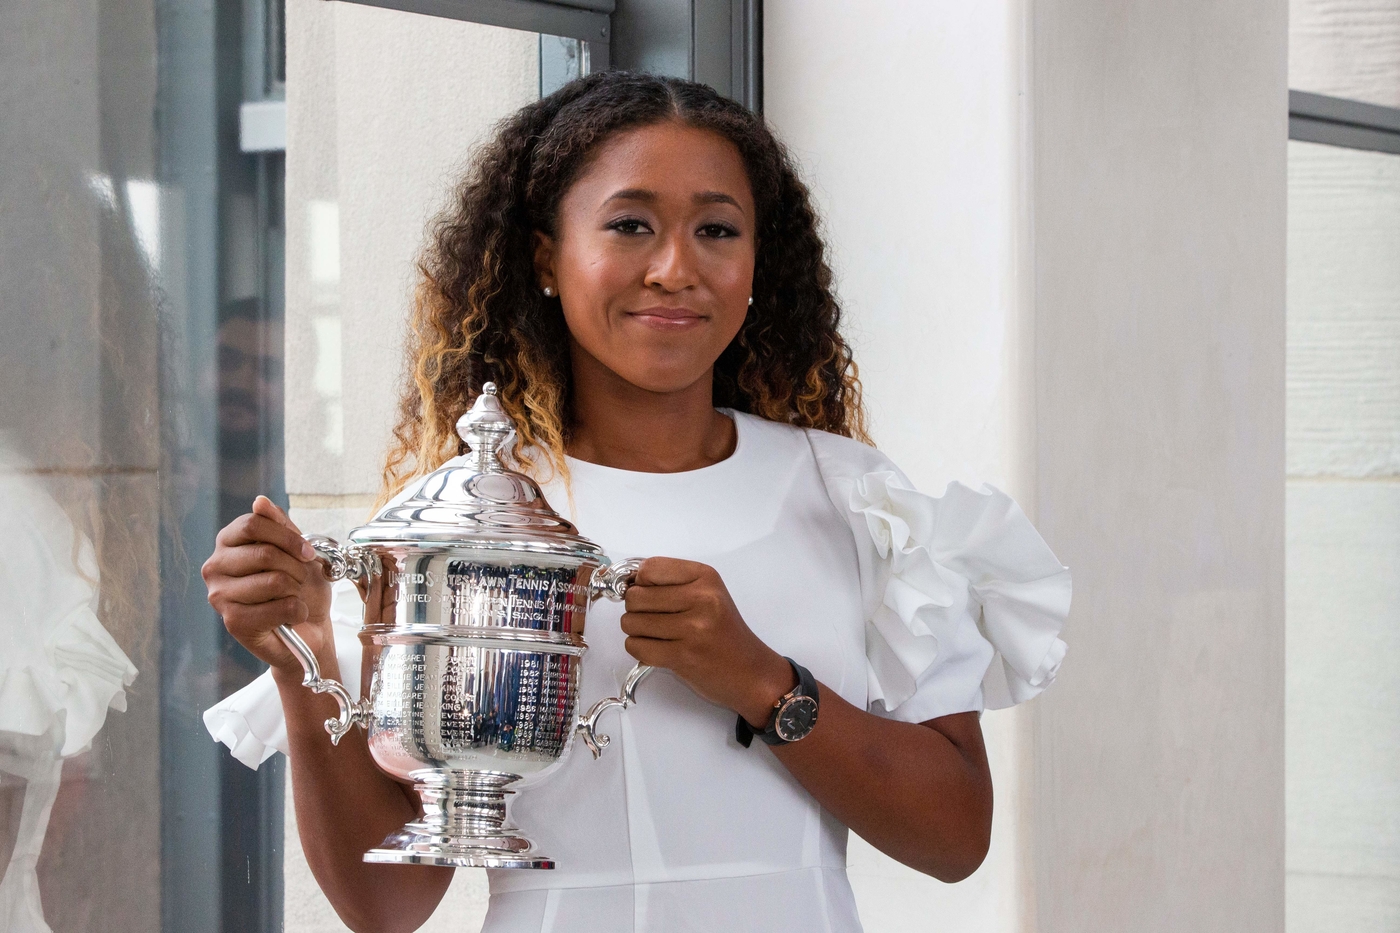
{"type": "Point", "coordinates": [479, 502]}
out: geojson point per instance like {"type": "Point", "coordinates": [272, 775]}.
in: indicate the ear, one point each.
{"type": "Point", "coordinates": [544, 259]}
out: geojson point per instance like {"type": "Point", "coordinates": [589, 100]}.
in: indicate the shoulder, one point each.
{"type": "Point", "coordinates": [841, 457]}
{"type": "Point", "coordinates": [832, 448]}
{"type": "Point", "coordinates": [840, 460]}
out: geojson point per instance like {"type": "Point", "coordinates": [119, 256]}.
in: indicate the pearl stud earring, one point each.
{"type": "Point", "coordinates": [751, 301]}
{"type": "Point", "coordinates": [548, 292]}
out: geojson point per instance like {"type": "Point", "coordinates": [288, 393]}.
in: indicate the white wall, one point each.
{"type": "Point", "coordinates": [907, 120]}
{"type": "Point", "coordinates": [1343, 486]}
{"type": "Point", "coordinates": [1343, 540]}
{"type": "Point", "coordinates": [1346, 48]}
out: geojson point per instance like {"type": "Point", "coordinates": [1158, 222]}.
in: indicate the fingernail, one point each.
{"type": "Point", "coordinates": [307, 551]}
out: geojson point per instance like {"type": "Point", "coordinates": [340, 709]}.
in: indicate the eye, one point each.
{"type": "Point", "coordinates": [629, 226]}
{"type": "Point", "coordinates": [718, 230]}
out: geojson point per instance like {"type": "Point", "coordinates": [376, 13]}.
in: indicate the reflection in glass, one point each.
{"type": "Point", "coordinates": [140, 396]}
{"type": "Point", "coordinates": [60, 671]}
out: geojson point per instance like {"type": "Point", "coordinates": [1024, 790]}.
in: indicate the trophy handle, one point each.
{"type": "Point", "coordinates": [588, 723]}
{"type": "Point", "coordinates": [612, 582]}
{"type": "Point", "coordinates": [340, 563]}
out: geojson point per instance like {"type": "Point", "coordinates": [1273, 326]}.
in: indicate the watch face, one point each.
{"type": "Point", "coordinates": [796, 718]}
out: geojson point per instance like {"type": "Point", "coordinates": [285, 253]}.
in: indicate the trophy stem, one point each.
{"type": "Point", "coordinates": [463, 825]}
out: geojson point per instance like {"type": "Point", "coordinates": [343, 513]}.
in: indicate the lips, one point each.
{"type": "Point", "coordinates": [668, 318]}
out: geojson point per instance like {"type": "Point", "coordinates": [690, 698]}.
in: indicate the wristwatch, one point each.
{"type": "Point", "coordinates": [794, 716]}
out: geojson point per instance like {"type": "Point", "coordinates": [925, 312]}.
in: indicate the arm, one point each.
{"type": "Point", "coordinates": [919, 793]}
{"type": "Point", "coordinates": [262, 575]}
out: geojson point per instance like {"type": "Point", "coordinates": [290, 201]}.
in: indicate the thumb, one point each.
{"type": "Point", "coordinates": [265, 507]}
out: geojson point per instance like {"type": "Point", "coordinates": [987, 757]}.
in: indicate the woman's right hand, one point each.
{"type": "Point", "coordinates": [263, 574]}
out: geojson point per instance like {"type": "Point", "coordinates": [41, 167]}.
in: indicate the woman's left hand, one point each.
{"type": "Point", "coordinates": [680, 616]}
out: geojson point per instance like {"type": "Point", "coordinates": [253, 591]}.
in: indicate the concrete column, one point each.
{"type": "Point", "coordinates": [1159, 215]}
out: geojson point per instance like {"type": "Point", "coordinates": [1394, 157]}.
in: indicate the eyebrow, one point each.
{"type": "Point", "coordinates": [646, 194]}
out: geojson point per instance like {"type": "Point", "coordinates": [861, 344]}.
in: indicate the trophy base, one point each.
{"type": "Point", "coordinates": [463, 826]}
{"type": "Point", "coordinates": [414, 847]}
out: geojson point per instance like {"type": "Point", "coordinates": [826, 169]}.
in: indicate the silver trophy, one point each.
{"type": "Point", "coordinates": [476, 593]}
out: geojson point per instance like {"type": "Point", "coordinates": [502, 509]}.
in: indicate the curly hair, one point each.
{"type": "Point", "coordinates": [479, 315]}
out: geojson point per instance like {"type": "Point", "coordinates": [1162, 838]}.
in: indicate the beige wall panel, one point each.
{"type": "Point", "coordinates": [1159, 205]}
{"type": "Point", "coordinates": [1346, 48]}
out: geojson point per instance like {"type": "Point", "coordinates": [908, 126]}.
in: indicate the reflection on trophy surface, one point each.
{"type": "Point", "coordinates": [476, 593]}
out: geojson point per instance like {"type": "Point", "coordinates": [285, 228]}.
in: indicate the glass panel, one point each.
{"type": "Point", "coordinates": [140, 399]}
{"type": "Point", "coordinates": [1349, 49]}
{"type": "Point", "coordinates": [1343, 540]}
{"type": "Point", "coordinates": [385, 109]}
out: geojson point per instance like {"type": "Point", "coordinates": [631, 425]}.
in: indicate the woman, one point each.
{"type": "Point", "coordinates": [637, 266]}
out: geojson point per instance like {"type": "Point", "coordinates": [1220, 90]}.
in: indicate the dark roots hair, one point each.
{"type": "Point", "coordinates": [478, 313]}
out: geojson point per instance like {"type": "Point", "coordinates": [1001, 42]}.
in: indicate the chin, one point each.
{"type": "Point", "coordinates": [664, 383]}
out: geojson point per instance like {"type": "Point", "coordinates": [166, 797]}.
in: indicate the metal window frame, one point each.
{"type": "Point", "coordinates": [717, 42]}
{"type": "Point", "coordinates": [1338, 121]}
{"type": "Point", "coordinates": [588, 21]}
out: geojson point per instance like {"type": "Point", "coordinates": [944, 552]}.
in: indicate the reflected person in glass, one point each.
{"type": "Point", "coordinates": [60, 673]}
{"type": "Point", "coordinates": [634, 261]}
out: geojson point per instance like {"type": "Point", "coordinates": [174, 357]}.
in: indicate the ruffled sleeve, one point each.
{"type": "Point", "coordinates": [250, 721]}
{"type": "Point", "coordinates": [60, 670]}
{"type": "Point", "coordinates": [963, 600]}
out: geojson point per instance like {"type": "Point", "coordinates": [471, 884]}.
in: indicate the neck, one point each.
{"type": "Point", "coordinates": [619, 425]}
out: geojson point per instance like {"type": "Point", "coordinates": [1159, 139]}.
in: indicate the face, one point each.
{"type": "Point", "coordinates": [249, 378]}
{"type": "Point", "coordinates": [653, 256]}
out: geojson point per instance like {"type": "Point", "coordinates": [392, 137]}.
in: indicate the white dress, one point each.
{"type": "Point", "coordinates": [911, 606]}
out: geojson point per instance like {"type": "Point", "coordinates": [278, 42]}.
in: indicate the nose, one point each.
{"type": "Point", "coordinates": [672, 267]}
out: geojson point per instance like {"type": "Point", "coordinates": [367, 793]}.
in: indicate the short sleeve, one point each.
{"type": "Point", "coordinates": [964, 601]}
{"type": "Point", "coordinates": [250, 722]}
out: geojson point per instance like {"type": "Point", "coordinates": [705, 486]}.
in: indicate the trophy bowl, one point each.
{"type": "Point", "coordinates": [476, 594]}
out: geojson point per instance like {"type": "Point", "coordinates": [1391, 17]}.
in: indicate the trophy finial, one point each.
{"type": "Point", "coordinates": [486, 428]}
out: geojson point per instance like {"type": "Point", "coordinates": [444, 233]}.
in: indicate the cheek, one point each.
{"type": "Point", "coordinates": [592, 262]}
{"type": "Point", "coordinates": [733, 287]}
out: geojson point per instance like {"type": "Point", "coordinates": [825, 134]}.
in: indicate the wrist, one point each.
{"type": "Point", "coordinates": [292, 674]}
{"type": "Point", "coordinates": [288, 675]}
{"type": "Point", "coordinates": [774, 681]}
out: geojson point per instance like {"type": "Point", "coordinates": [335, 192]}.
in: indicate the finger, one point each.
{"type": "Point", "coordinates": [670, 571]}
{"type": "Point", "coordinates": [249, 559]}
{"type": "Point", "coordinates": [254, 589]}
{"type": "Point", "coordinates": [252, 622]}
{"type": "Point", "coordinates": [259, 529]}
{"type": "Point", "coordinates": [265, 507]}
{"type": "Point", "coordinates": [655, 598]}
{"type": "Point", "coordinates": [656, 652]}
{"type": "Point", "coordinates": [664, 626]}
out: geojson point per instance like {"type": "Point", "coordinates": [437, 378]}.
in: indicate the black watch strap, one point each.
{"type": "Point", "coordinates": [806, 687]}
